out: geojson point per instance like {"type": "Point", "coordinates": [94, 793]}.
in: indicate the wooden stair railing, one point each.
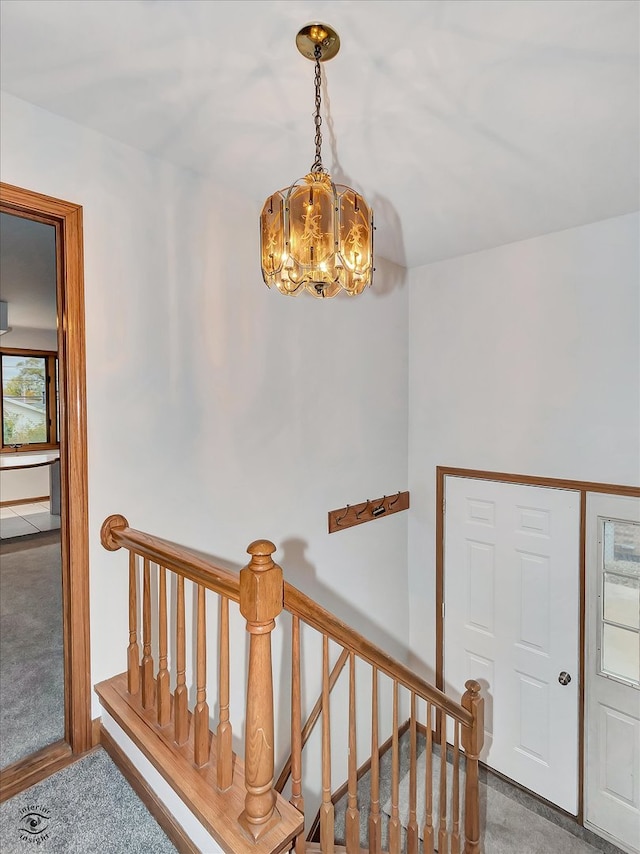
{"type": "Point", "coordinates": [458, 724]}
{"type": "Point", "coordinates": [238, 802]}
{"type": "Point", "coordinates": [234, 800]}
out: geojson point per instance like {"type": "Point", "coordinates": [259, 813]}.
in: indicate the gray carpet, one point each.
{"type": "Point", "coordinates": [506, 823]}
{"type": "Point", "coordinates": [513, 821]}
{"type": "Point", "coordinates": [87, 807]}
{"type": "Point", "coordinates": [31, 646]}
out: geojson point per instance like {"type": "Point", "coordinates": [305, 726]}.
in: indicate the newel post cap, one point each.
{"type": "Point", "coordinates": [260, 549]}
{"type": "Point", "coordinates": [473, 702]}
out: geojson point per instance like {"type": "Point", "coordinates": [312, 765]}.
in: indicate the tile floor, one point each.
{"type": "Point", "coordinates": [20, 520]}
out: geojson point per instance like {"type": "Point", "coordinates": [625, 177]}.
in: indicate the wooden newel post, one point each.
{"type": "Point", "coordinates": [472, 741]}
{"type": "Point", "coordinates": [261, 600]}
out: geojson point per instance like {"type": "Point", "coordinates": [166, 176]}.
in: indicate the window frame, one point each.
{"type": "Point", "coordinates": [51, 360]}
{"type": "Point", "coordinates": [602, 620]}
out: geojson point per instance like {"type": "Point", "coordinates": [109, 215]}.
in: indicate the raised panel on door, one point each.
{"type": "Point", "coordinates": [620, 737]}
{"type": "Point", "coordinates": [512, 622]}
{"type": "Point", "coordinates": [472, 611]}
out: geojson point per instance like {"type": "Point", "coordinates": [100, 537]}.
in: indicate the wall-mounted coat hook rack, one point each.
{"type": "Point", "coordinates": [356, 514]}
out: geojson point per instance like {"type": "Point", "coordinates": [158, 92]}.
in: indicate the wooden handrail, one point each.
{"type": "Point", "coordinates": [325, 622]}
{"type": "Point", "coordinates": [116, 533]}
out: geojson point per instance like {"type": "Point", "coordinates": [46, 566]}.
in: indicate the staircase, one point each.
{"type": "Point", "coordinates": [238, 799]}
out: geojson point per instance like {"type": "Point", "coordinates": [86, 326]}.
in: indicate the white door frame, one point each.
{"type": "Point", "coordinates": [559, 483]}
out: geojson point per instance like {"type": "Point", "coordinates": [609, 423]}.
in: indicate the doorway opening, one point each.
{"type": "Point", "coordinates": [70, 429]}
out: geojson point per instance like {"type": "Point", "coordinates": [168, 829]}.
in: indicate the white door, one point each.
{"type": "Point", "coordinates": [612, 774]}
{"type": "Point", "coordinates": [512, 617]}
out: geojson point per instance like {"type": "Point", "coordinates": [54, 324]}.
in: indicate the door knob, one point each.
{"type": "Point", "coordinates": [564, 678]}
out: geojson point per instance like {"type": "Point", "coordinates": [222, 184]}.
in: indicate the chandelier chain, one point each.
{"type": "Point", "coordinates": [317, 163]}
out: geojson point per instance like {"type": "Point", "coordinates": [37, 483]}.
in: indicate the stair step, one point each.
{"type": "Point", "coordinates": [217, 811]}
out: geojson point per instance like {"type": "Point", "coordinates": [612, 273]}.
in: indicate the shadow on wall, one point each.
{"type": "Point", "coordinates": [388, 276]}
{"type": "Point", "coordinates": [301, 573]}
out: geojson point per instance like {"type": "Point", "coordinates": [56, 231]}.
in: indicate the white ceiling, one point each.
{"type": "Point", "coordinates": [466, 123]}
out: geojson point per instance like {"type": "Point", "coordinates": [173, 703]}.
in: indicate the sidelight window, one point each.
{"type": "Point", "coordinates": [620, 598]}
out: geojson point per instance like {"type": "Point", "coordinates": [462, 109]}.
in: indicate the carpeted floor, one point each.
{"type": "Point", "coordinates": [88, 808]}
{"type": "Point", "coordinates": [513, 821]}
{"type": "Point", "coordinates": [31, 646]}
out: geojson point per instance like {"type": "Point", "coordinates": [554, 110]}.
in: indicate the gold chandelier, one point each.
{"type": "Point", "coordinates": [316, 235]}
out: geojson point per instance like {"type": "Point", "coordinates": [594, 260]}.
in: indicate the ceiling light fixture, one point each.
{"type": "Point", "coordinates": [316, 235]}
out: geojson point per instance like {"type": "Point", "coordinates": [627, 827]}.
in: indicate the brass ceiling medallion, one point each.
{"type": "Point", "coordinates": [318, 34]}
{"type": "Point", "coordinates": [316, 235]}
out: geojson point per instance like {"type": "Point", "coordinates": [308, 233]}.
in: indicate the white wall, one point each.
{"type": "Point", "coordinates": [32, 339]}
{"type": "Point", "coordinates": [24, 483]}
{"type": "Point", "coordinates": [523, 359]}
{"type": "Point", "coordinates": [218, 411]}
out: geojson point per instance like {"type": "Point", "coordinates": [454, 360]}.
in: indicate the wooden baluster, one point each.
{"type": "Point", "coordinates": [375, 821]}
{"type": "Point", "coordinates": [352, 818]}
{"type": "Point", "coordinates": [148, 682]}
{"type": "Point", "coordinates": [327, 835]}
{"type": "Point", "coordinates": [311, 721]}
{"type": "Point", "coordinates": [224, 746]}
{"type": "Point", "coordinates": [261, 600]}
{"type": "Point", "coordinates": [394, 821]}
{"type": "Point", "coordinates": [163, 689]}
{"type": "Point", "coordinates": [472, 742]}
{"type": "Point", "coordinates": [201, 711]}
{"type": "Point", "coordinates": [443, 842]}
{"type": "Point", "coordinates": [180, 711]}
{"type": "Point", "coordinates": [412, 827]}
{"type": "Point", "coordinates": [427, 834]}
{"type": "Point", "coordinates": [455, 791]}
{"type": "Point", "coordinates": [297, 799]}
{"type": "Point", "coordinates": [133, 650]}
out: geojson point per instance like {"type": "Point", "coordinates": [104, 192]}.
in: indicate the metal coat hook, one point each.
{"type": "Point", "coordinates": [395, 500]}
{"type": "Point", "coordinates": [346, 513]}
{"type": "Point", "coordinates": [360, 512]}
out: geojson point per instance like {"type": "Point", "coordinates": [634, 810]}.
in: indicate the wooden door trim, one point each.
{"type": "Point", "coordinates": [581, 486]}
{"type": "Point", "coordinates": [66, 217]}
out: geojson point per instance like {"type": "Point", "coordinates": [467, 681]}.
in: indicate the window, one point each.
{"type": "Point", "coordinates": [620, 596]}
{"type": "Point", "coordinates": [29, 399]}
